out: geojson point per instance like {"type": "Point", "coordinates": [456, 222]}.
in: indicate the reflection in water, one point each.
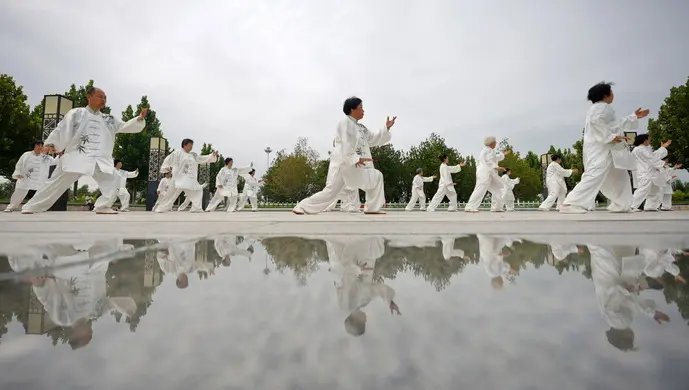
{"type": "Point", "coordinates": [63, 302]}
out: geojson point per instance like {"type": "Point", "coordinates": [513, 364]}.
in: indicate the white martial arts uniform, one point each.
{"type": "Point", "coordinates": [561, 251]}
{"type": "Point", "coordinates": [352, 261]}
{"type": "Point", "coordinates": [448, 248]}
{"type": "Point", "coordinates": [667, 190]}
{"type": "Point", "coordinates": [491, 256]}
{"type": "Point", "coordinates": [417, 193]}
{"type": "Point", "coordinates": [226, 186]}
{"type": "Point", "coordinates": [487, 180]}
{"type": "Point", "coordinates": [508, 191]}
{"type": "Point", "coordinates": [227, 248]}
{"type": "Point", "coordinates": [651, 177]}
{"type": "Point", "coordinates": [249, 192]}
{"type": "Point", "coordinates": [123, 194]}
{"type": "Point", "coordinates": [187, 200]}
{"type": "Point", "coordinates": [185, 169]}
{"type": "Point", "coordinates": [163, 188]}
{"type": "Point", "coordinates": [87, 138]}
{"type": "Point", "coordinates": [348, 198]}
{"type": "Point", "coordinates": [34, 169]}
{"type": "Point", "coordinates": [354, 141]}
{"type": "Point", "coordinates": [612, 285]}
{"type": "Point", "coordinates": [606, 165]}
{"type": "Point", "coordinates": [446, 187]}
{"type": "Point", "coordinates": [557, 187]}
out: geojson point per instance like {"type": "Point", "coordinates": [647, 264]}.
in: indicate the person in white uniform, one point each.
{"type": "Point", "coordinates": [668, 191]}
{"type": "Point", "coordinates": [226, 186]}
{"type": "Point", "coordinates": [607, 159]}
{"type": "Point", "coordinates": [555, 182]}
{"type": "Point", "coordinates": [184, 165]}
{"type": "Point", "coordinates": [487, 179]}
{"type": "Point", "coordinates": [250, 191]}
{"type": "Point", "coordinates": [417, 193]}
{"type": "Point", "coordinates": [31, 173]}
{"type": "Point", "coordinates": [86, 138]}
{"type": "Point", "coordinates": [163, 188]}
{"type": "Point", "coordinates": [123, 194]}
{"type": "Point", "coordinates": [508, 189]}
{"type": "Point", "coordinates": [349, 197]}
{"type": "Point", "coordinates": [187, 201]}
{"type": "Point", "coordinates": [650, 173]}
{"type": "Point", "coordinates": [446, 186]}
{"type": "Point", "coordinates": [354, 163]}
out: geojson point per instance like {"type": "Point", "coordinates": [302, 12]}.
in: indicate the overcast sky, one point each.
{"type": "Point", "coordinates": [244, 75]}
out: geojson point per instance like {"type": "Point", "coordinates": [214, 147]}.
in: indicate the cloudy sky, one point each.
{"type": "Point", "coordinates": [244, 75]}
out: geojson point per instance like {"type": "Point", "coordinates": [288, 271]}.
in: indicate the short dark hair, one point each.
{"type": "Point", "coordinates": [442, 157]}
{"type": "Point", "coordinates": [117, 160]}
{"type": "Point", "coordinates": [35, 143]}
{"type": "Point", "coordinates": [228, 160]}
{"type": "Point", "coordinates": [252, 171]}
{"type": "Point", "coordinates": [555, 157]}
{"type": "Point", "coordinates": [350, 105]}
{"type": "Point", "coordinates": [641, 138]}
{"type": "Point", "coordinates": [599, 92]}
{"type": "Point", "coordinates": [187, 141]}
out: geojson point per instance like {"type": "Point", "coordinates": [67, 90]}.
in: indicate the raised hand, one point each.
{"type": "Point", "coordinates": [506, 152]}
{"type": "Point", "coordinates": [20, 176]}
{"type": "Point", "coordinates": [667, 143]}
{"type": "Point", "coordinates": [363, 161]}
{"type": "Point", "coordinates": [678, 166]}
{"type": "Point", "coordinates": [389, 123]}
{"type": "Point", "coordinates": [462, 164]}
{"type": "Point", "coordinates": [500, 169]}
{"type": "Point", "coordinates": [143, 113]}
{"type": "Point", "coordinates": [640, 113]}
{"type": "Point", "coordinates": [619, 138]}
{"type": "Point", "coordinates": [575, 170]}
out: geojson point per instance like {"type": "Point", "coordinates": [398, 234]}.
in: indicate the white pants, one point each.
{"type": "Point", "coordinates": [651, 193]}
{"type": "Point", "coordinates": [16, 199]}
{"type": "Point", "coordinates": [442, 192]}
{"type": "Point", "coordinates": [168, 200]}
{"type": "Point", "coordinates": [368, 179]}
{"type": "Point", "coordinates": [242, 202]}
{"type": "Point", "coordinates": [557, 193]}
{"type": "Point", "coordinates": [491, 184]}
{"type": "Point", "coordinates": [667, 202]}
{"type": "Point", "coordinates": [61, 181]}
{"type": "Point", "coordinates": [123, 194]}
{"type": "Point", "coordinates": [418, 195]}
{"type": "Point", "coordinates": [613, 183]}
{"type": "Point", "coordinates": [217, 198]}
{"type": "Point", "coordinates": [508, 199]}
{"type": "Point", "coordinates": [349, 201]}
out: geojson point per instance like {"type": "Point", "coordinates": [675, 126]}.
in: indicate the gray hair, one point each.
{"type": "Point", "coordinates": [418, 170]}
{"type": "Point", "coordinates": [489, 140]}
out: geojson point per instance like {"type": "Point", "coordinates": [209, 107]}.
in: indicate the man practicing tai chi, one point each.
{"type": "Point", "coordinates": [123, 194]}
{"type": "Point", "coordinates": [417, 193]}
{"type": "Point", "coordinates": [31, 172]}
{"type": "Point", "coordinates": [446, 186]}
{"type": "Point", "coordinates": [184, 165]}
{"type": "Point", "coordinates": [250, 191]}
{"type": "Point", "coordinates": [555, 182]}
{"type": "Point", "coordinates": [354, 165]}
{"type": "Point", "coordinates": [487, 179]}
{"type": "Point", "coordinates": [606, 157]}
{"type": "Point", "coordinates": [86, 138]}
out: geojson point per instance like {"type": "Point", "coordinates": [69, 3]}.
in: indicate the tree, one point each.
{"type": "Point", "coordinates": [390, 163]}
{"type": "Point", "coordinates": [530, 181]}
{"type": "Point", "coordinates": [17, 129]}
{"type": "Point", "coordinates": [673, 123]}
{"type": "Point", "coordinates": [133, 149]}
{"type": "Point", "coordinates": [294, 176]}
{"type": "Point", "coordinates": [427, 157]}
{"type": "Point", "coordinates": [215, 167]}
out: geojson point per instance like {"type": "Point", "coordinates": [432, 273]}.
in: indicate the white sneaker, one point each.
{"type": "Point", "coordinates": [8, 210]}
{"type": "Point", "coordinates": [572, 210]}
{"type": "Point", "coordinates": [106, 211]}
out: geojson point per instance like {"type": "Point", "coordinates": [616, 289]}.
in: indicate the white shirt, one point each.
{"type": "Point", "coordinates": [555, 175]}
{"type": "Point", "coordinates": [446, 172]}
{"type": "Point", "coordinates": [185, 168]}
{"type": "Point", "coordinates": [35, 168]}
{"type": "Point", "coordinates": [487, 162]}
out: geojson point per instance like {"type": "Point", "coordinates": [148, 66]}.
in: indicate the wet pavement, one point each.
{"type": "Point", "coordinates": [568, 311]}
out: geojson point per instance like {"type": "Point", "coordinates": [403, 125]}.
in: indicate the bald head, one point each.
{"type": "Point", "coordinates": [96, 98]}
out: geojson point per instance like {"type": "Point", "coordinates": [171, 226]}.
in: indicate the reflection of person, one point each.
{"type": "Point", "coordinates": [226, 246]}
{"type": "Point", "coordinates": [179, 260]}
{"type": "Point", "coordinates": [617, 291]}
{"type": "Point", "coordinates": [562, 251]}
{"type": "Point", "coordinates": [75, 295]}
{"type": "Point", "coordinates": [353, 261]}
{"type": "Point", "coordinates": [491, 256]}
{"type": "Point", "coordinates": [487, 179]}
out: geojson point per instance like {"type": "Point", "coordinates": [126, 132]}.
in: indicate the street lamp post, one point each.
{"type": "Point", "coordinates": [156, 155]}
{"type": "Point", "coordinates": [268, 151]}
{"type": "Point", "coordinates": [546, 158]}
{"type": "Point", "coordinates": [54, 109]}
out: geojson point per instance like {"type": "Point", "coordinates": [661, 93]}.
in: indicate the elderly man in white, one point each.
{"type": "Point", "coordinates": [487, 178]}
{"type": "Point", "coordinates": [31, 172]}
{"type": "Point", "coordinates": [555, 183]}
{"type": "Point", "coordinates": [86, 138]}
{"type": "Point", "coordinates": [651, 173]}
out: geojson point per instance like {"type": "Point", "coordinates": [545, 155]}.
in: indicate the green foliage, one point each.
{"type": "Point", "coordinates": [673, 123]}
{"type": "Point", "coordinates": [390, 162]}
{"type": "Point", "coordinates": [133, 149]}
{"type": "Point", "coordinates": [294, 176]}
{"type": "Point", "coordinates": [17, 127]}
{"type": "Point", "coordinates": [530, 179]}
